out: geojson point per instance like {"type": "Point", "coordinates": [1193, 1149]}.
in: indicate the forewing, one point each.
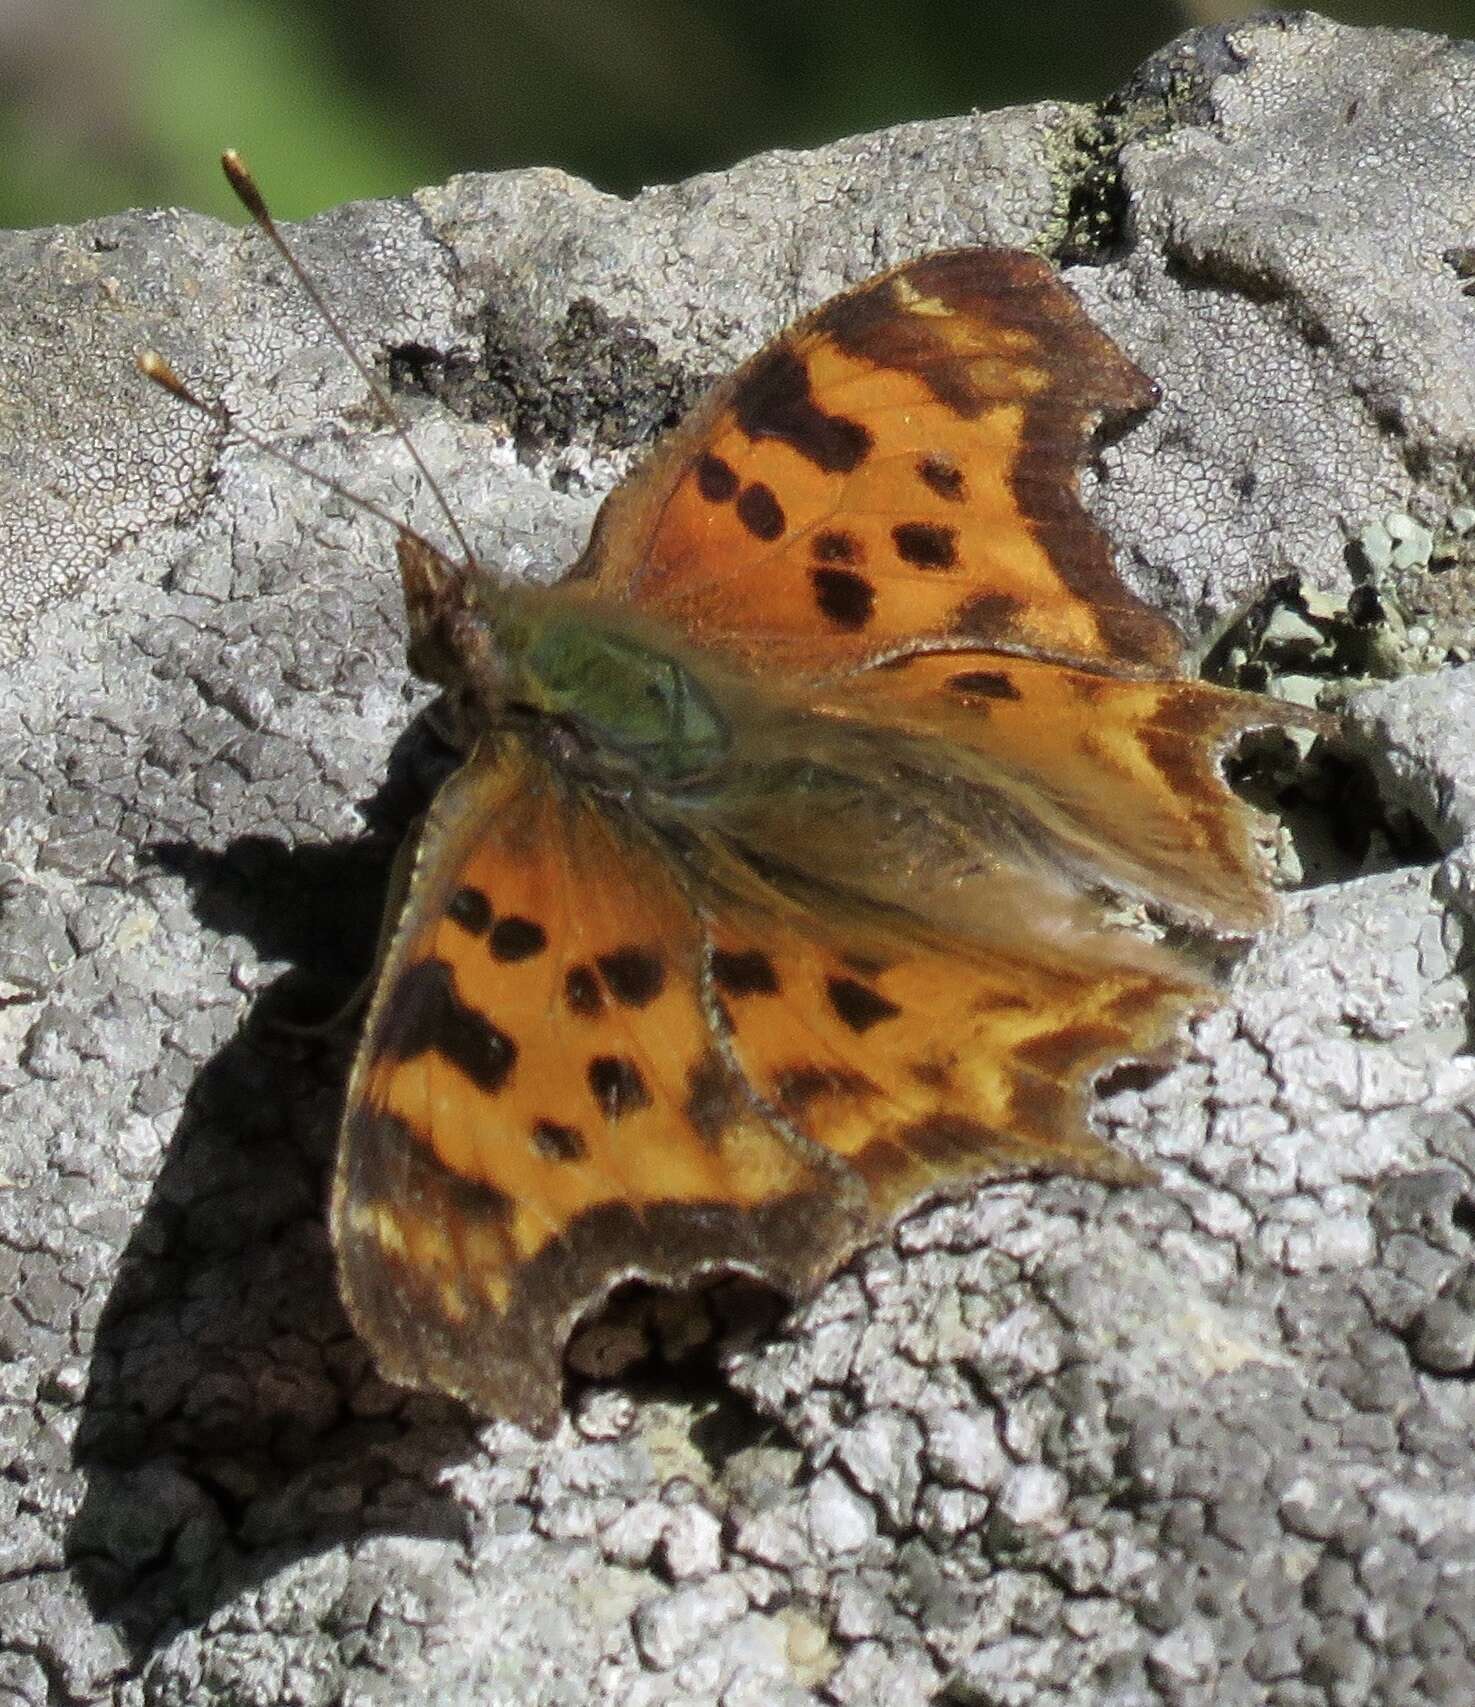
{"type": "Point", "coordinates": [901, 465]}
{"type": "Point", "coordinates": [538, 1110]}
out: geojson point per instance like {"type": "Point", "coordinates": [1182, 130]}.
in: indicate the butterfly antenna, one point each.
{"type": "Point", "coordinates": [250, 197]}
{"type": "Point", "coordinates": [153, 366]}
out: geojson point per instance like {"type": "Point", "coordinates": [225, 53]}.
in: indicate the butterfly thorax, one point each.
{"type": "Point", "coordinates": [619, 701]}
{"type": "Point", "coordinates": [631, 706]}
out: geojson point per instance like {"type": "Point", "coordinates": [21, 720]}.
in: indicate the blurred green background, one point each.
{"type": "Point", "coordinates": [106, 104]}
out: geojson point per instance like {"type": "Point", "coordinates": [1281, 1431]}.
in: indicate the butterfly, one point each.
{"type": "Point", "coordinates": [767, 900]}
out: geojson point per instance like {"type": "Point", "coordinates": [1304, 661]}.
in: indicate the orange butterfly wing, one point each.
{"type": "Point", "coordinates": [928, 1066]}
{"type": "Point", "coordinates": [540, 1108]}
{"type": "Point", "coordinates": [1120, 773]}
{"type": "Point", "coordinates": [898, 467]}
{"type": "Point", "coordinates": [587, 1061]}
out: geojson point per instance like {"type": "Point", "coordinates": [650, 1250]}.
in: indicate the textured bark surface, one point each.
{"type": "Point", "coordinates": [1204, 1442]}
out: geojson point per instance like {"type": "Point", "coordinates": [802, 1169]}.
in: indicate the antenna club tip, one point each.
{"type": "Point", "coordinates": [238, 176]}
{"type": "Point", "coordinates": [153, 366]}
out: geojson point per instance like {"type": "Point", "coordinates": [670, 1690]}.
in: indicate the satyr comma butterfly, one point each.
{"type": "Point", "coordinates": [765, 902]}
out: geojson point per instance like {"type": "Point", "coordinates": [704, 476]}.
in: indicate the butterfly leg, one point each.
{"type": "Point", "coordinates": [347, 1013]}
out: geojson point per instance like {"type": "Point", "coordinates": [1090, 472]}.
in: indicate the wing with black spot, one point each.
{"type": "Point", "coordinates": [539, 1109]}
{"type": "Point", "coordinates": [899, 467]}
{"type": "Point", "coordinates": [926, 1069]}
{"type": "Point", "coordinates": [1114, 781]}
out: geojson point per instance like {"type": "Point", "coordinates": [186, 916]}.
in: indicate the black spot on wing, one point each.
{"type": "Point", "coordinates": [760, 512]}
{"type": "Point", "coordinates": [984, 684]}
{"type": "Point", "coordinates": [716, 481]}
{"type": "Point", "coordinates": [556, 1142]}
{"type": "Point", "coordinates": [470, 909]}
{"type": "Point", "coordinates": [633, 976]}
{"type": "Point", "coordinates": [836, 545]}
{"type": "Point", "coordinates": [990, 616]}
{"type": "Point", "coordinates": [859, 1005]}
{"type": "Point", "coordinates": [515, 938]}
{"type": "Point", "coordinates": [943, 477]}
{"type": "Point", "coordinates": [618, 1086]}
{"type": "Point", "coordinates": [926, 545]}
{"type": "Point", "coordinates": [843, 597]}
{"type": "Point", "coordinates": [744, 972]}
{"type": "Point", "coordinates": [776, 402]}
{"type": "Point", "coordinates": [582, 992]}
{"type": "Point", "coordinates": [423, 1015]}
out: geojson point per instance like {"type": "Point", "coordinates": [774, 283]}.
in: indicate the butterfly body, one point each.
{"type": "Point", "coordinates": [765, 902]}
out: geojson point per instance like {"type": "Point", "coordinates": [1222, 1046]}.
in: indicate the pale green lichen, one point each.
{"type": "Point", "coordinates": [1396, 541]}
